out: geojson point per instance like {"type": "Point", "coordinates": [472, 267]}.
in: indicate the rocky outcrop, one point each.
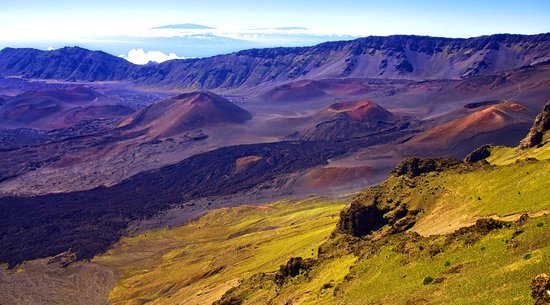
{"type": "Point", "coordinates": [360, 220]}
{"type": "Point", "coordinates": [293, 268]}
{"type": "Point", "coordinates": [413, 167]}
{"type": "Point", "coordinates": [486, 225]}
{"type": "Point", "coordinates": [540, 289]}
{"type": "Point", "coordinates": [403, 66]}
{"type": "Point", "coordinates": [374, 210]}
{"type": "Point", "coordinates": [541, 125]}
{"type": "Point", "coordinates": [479, 154]}
{"type": "Point", "coordinates": [63, 259]}
{"type": "Point", "coordinates": [481, 228]}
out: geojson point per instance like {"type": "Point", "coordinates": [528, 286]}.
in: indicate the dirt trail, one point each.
{"type": "Point", "coordinates": [441, 221]}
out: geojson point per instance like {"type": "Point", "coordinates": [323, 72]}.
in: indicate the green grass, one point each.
{"type": "Point", "coordinates": [502, 190]}
{"type": "Point", "coordinates": [507, 155]}
{"type": "Point", "coordinates": [465, 269]}
{"type": "Point", "coordinates": [455, 198]}
{"type": "Point", "coordinates": [513, 185]}
{"type": "Point", "coordinates": [493, 269]}
{"type": "Point", "coordinates": [498, 274]}
{"type": "Point", "coordinates": [198, 262]}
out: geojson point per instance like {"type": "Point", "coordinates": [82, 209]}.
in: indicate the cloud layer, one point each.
{"type": "Point", "coordinates": [140, 57]}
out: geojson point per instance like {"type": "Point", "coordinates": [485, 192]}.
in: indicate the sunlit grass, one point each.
{"type": "Point", "coordinates": [197, 263]}
{"type": "Point", "coordinates": [491, 272]}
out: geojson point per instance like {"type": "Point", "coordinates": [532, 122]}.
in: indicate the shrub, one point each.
{"type": "Point", "coordinates": [428, 280]}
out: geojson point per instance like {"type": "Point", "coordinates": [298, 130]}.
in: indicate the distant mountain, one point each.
{"type": "Point", "coordinates": [283, 28]}
{"type": "Point", "coordinates": [186, 112]}
{"type": "Point", "coordinates": [396, 57]}
{"type": "Point", "coordinates": [69, 63]}
{"type": "Point", "coordinates": [185, 26]}
{"type": "Point", "coordinates": [290, 28]}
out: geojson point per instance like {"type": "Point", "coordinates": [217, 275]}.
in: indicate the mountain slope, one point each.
{"type": "Point", "coordinates": [422, 237]}
{"type": "Point", "coordinates": [54, 223]}
{"type": "Point", "coordinates": [408, 57]}
{"type": "Point", "coordinates": [186, 112]}
{"type": "Point", "coordinates": [403, 57]}
{"type": "Point", "coordinates": [437, 231]}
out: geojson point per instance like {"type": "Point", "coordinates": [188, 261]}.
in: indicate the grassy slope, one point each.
{"type": "Point", "coordinates": [198, 262]}
{"type": "Point", "coordinates": [488, 191]}
{"type": "Point", "coordinates": [491, 272]}
{"type": "Point", "coordinates": [488, 269]}
{"type": "Point", "coordinates": [508, 155]}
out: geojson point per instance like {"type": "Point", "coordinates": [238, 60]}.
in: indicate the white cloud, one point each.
{"type": "Point", "coordinates": [51, 49]}
{"type": "Point", "coordinates": [140, 57]}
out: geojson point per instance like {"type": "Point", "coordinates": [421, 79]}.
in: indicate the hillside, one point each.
{"type": "Point", "coordinates": [70, 63]}
{"type": "Point", "coordinates": [345, 120]}
{"type": "Point", "coordinates": [391, 57]}
{"type": "Point", "coordinates": [197, 262]}
{"type": "Point", "coordinates": [185, 112]}
{"type": "Point", "coordinates": [437, 228]}
{"type": "Point", "coordinates": [50, 109]}
{"type": "Point", "coordinates": [46, 225]}
{"type": "Point", "coordinates": [503, 119]}
{"type": "Point", "coordinates": [431, 246]}
{"type": "Point", "coordinates": [437, 231]}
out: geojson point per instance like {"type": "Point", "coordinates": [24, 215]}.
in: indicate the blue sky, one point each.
{"type": "Point", "coordinates": [37, 22]}
{"type": "Point", "coordinates": [423, 17]}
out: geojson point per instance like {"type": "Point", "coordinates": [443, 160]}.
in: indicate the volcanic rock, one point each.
{"type": "Point", "coordinates": [541, 125]}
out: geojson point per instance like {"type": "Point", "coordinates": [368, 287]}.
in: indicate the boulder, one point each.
{"type": "Point", "coordinates": [479, 154]}
{"type": "Point", "coordinates": [540, 289]}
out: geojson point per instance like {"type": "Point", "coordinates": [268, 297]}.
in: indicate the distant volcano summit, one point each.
{"type": "Point", "coordinates": [185, 26]}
